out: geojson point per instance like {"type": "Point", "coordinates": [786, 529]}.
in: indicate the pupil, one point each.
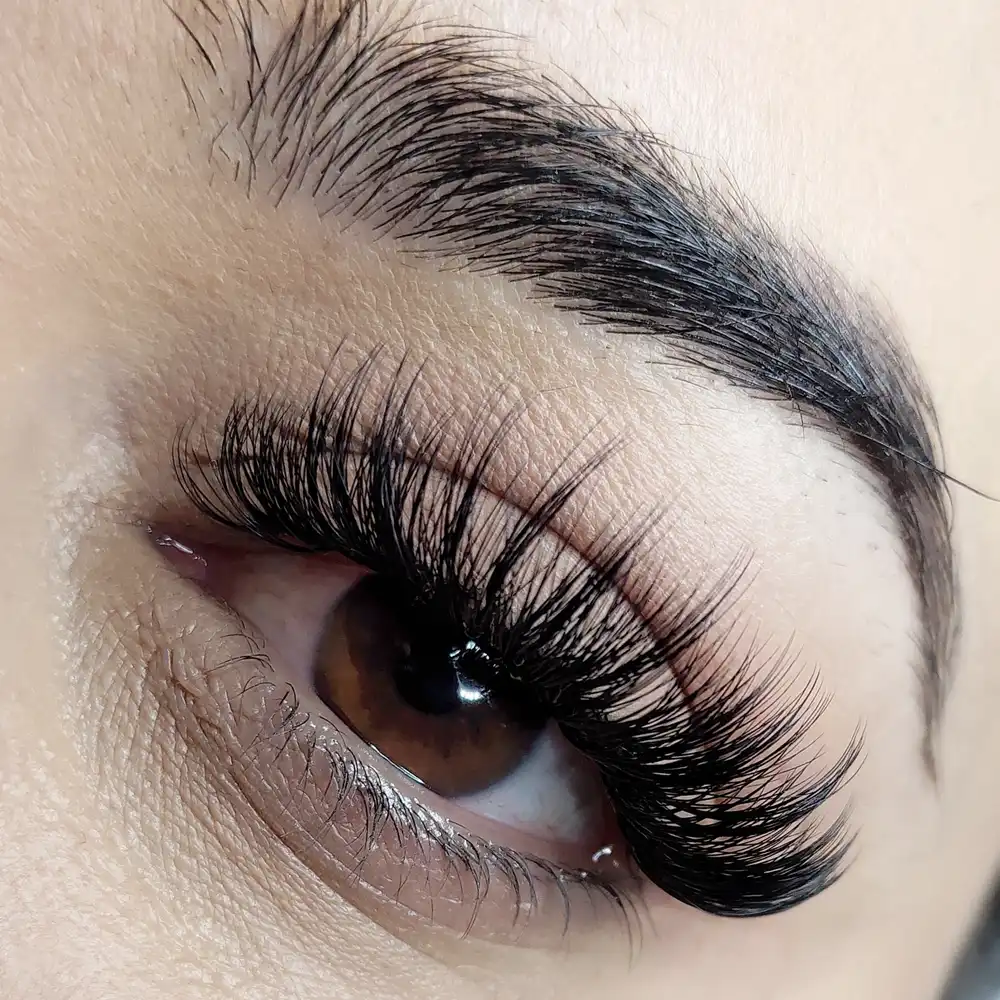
{"type": "Point", "coordinates": [431, 682]}
{"type": "Point", "coordinates": [431, 688]}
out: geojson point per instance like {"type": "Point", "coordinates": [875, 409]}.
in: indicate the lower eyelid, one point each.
{"type": "Point", "coordinates": [326, 797]}
{"type": "Point", "coordinates": [258, 584]}
{"type": "Point", "coordinates": [328, 802]}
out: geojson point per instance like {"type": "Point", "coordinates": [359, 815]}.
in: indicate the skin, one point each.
{"type": "Point", "coordinates": [133, 296]}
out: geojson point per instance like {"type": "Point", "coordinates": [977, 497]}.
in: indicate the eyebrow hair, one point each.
{"type": "Point", "coordinates": [442, 140]}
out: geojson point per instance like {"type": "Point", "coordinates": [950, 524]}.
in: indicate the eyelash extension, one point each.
{"type": "Point", "coordinates": [713, 782]}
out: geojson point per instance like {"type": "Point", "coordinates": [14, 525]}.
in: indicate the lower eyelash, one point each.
{"type": "Point", "coordinates": [501, 891]}
{"type": "Point", "coordinates": [715, 783]}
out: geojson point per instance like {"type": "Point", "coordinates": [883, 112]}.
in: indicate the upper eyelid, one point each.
{"type": "Point", "coordinates": [463, 463]}
{"type": "Point", "coordinates": [522, 491]}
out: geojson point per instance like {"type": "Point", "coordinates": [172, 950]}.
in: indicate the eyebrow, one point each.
{"type": "Point", "coordinates": [442, 140]}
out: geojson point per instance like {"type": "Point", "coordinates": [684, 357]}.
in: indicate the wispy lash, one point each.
{"type": "Point", "coordinates": [713, 780]}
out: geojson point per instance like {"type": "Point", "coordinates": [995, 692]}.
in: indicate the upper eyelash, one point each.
{"type": "Point", "coordinates": [711, 785]}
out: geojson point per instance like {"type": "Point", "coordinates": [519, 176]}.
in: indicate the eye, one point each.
{"type": "Point", "coordinates": [357, 650]}
{"type": "Point", "coordinates": [460, 689]}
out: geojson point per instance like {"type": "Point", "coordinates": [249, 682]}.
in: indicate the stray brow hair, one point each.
{"type": "Point", "coordinates": [443, 141]}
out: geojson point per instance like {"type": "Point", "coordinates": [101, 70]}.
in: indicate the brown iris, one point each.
{"type": "Point", "coordinates": [402, 684]}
